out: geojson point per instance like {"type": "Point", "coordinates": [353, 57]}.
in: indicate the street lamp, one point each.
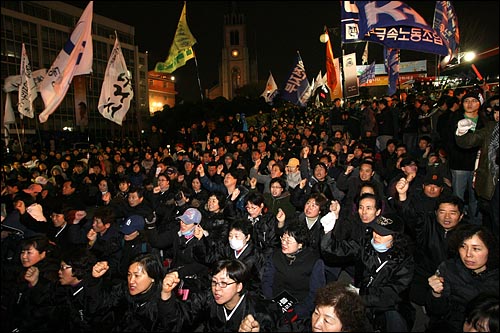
{"type": "Point", "coordinates": [462, 56]}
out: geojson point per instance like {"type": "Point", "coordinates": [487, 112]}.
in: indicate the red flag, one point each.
{"type": "Point", "coordinates": [331, 75]}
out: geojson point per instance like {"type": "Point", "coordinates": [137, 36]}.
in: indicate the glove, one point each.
{"type": "Point", "coordinates": [290, 316]}
{"type": "Point", "coordinates": [464, 126]}
{"type": "Point", "coordinates": [328, 222]}
{"type": "Point", "coordinates": [150, 221]}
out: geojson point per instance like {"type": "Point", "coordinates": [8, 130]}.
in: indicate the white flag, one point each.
{"type": "Point", "coordinates": [271, 89]}
{"type": "Point", "coordinates": [317, 83]}
{"type": "Point", "coordinates": [12, 83]}
{"type": "Point", "coordinates": [116, 92]}
{"type": "Point", "coordinates": [364, 58]}
{"type": "Point", "coordinates": [74, 59]}
{"type": "Point", "coordinates": [8, 117]}
{"type": "Point", "coordinates": [27, 90]}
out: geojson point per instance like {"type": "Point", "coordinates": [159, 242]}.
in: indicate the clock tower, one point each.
{"type": "Point", "coordinates": [235, 69]}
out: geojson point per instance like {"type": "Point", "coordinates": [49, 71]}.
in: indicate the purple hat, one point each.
{"type": "Point", "coordinates": [190, 216]}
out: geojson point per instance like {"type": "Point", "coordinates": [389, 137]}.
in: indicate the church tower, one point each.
{"type": "Point", "coordinates": [236, 68]}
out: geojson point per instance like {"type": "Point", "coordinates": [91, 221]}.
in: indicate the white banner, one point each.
{"type": "Point", "coordinates": [27, 90]}
{"type": "Point", "coordinates": [74, 59]}
{"type": "Point", "coordinates": [116, 92]}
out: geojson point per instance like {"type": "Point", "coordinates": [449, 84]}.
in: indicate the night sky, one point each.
{"type": "Point", "coordinates": [276, 30]}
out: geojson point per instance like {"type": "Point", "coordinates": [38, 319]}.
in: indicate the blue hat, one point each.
{"type": "Point", "coordinates": [131, 224]}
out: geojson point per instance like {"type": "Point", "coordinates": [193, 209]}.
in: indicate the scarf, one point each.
{"type": "Point", "coordinates": [492, 151]}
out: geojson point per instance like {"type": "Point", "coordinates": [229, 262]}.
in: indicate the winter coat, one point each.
{"type": "Point", "coordinates": [386, 276]}
{"type": "Point", "coordinates": [461, 285]}
{"type": "Point", "coordinates": [300, 275]}
{"type": "Point", "coordinates": [201, 308]}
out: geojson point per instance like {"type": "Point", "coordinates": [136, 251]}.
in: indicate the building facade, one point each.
{"type": "Point", "coordinates": [44, 27]}
{"type": "Point", "coordinates": [237, 68]}
{"type": "Point", "coordinates": [161, 91]}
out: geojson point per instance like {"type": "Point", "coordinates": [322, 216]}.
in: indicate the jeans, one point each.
{"type": "Point", "coordinates": [461, 182]}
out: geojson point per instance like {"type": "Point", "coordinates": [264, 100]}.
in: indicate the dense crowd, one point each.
{"type": "Point", "coordinates": [375, 215]}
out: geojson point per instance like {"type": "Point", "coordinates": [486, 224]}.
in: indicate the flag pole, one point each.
{"type": "Point", "coordinates": [19, 137]}
{"type": "Point", "coordinates": [341, 65]}
{"type": "Point", "coordinates": [198, 75]}
{"type": "Point", "coordinates": [38, 131]}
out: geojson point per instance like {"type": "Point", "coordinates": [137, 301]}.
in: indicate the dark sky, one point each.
{"type": "Point", "coordinates": [276, 29]}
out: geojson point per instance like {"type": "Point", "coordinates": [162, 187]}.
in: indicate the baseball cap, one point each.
{"type": "Point", "coordinates": [293, 162]}
{"type": "Point", "coordinates": [388, 224]}
{"type": "Point", "coordinates": [190, 216]}
{"type": "Point", "coordinates": [131, 224]}
{"type": "Point", "coordinates": [33, 188]}
{"type": "Point", "coordinates": [41, 180]}
{"type": "Point", "coordinates": [433, 178]}
{"type": "Point", "coordinates": [171, 169]}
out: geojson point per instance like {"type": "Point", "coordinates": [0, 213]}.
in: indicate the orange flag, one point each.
{"type": "Point", "coordinates": [331, 75]}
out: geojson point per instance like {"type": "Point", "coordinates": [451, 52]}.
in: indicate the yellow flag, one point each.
{"type": "Point", "coordinates": [181, 49]}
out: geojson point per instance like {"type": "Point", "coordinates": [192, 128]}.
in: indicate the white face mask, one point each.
{"type": "Point", "coordinates": [236, 244]}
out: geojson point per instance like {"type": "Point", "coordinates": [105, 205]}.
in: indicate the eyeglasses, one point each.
{"type": "Point", "coordinates": [64, 267]}
{"type": "Point", "coordinates": [276, 187]}
{"type": "Point", "coordinates": [222, 284]}
{"type": "Point", "coordinates": [287, 239]}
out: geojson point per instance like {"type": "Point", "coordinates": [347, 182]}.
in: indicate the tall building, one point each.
{"type": "Point", "coordinates": [237, 68]}
{"type": "Point", "coordinates": [44, 27]}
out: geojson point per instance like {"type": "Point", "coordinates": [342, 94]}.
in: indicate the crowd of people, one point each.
{"type": "Point", "coordinates": [377, 215]}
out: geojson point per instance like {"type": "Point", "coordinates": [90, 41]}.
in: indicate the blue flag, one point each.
{"type": "Point", "coordinates": [391, 57]}
{"type": "Point", "coordinates": [446, 24]}
{"type": "Point", "coordinates": [297, 90]}
{"type": "Point", "coordinates": [349, 22]}
{"type": "Point", "coordinates": [392, 24]}
{"type": "Point", "coordinates": [368, 74]}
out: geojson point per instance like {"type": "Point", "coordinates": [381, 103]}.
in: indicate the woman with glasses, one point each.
{"type": "Point", "coordinates": [295, 272]}
{"type": "Point", "coordinates": [239, 246]}
{"type": "Point", "coordinates": [220, 309]}
{"type": "Point", "coordinates": [279, 197]}
{"type": "Point", "coordinates": [65, 301]}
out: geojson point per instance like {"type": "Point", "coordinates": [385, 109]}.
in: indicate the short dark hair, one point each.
{"type": "Point", "coordinates": [278, 180]}
{"type": "Point", "coordinates": [378, 201]}
{"type": "Point", "coordinates": [299, 231]}
{"type": "Point", "coordinates": [236, 270]}
{"type": "Point", "coordinates": [483, 309]}
{"type": "Point", "coordinates": [243, 225]}
{"type": "Point", "coordinates": [348, 305]}
{"type": "Point", "coordinates": [105, 213]}
{"type": "Point", "coordinates": [466, 231]}
{"type": "Point", "coordinates": [80, 259]}
{"type": "Point", "coordinates": [453, 200]}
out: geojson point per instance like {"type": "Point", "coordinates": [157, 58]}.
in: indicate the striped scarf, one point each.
{"type": "Point", "coordinates": [492, 151]}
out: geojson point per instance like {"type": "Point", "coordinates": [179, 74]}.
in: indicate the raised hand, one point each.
{"type": "Point", "coordinates": [200, 170]}
{"type": "Point", "coordinates": [99, 269]}
{"type": "Point", "coordinates": [170, 281]}
{"type": "Point", "coordinates": [235, 194]}
{"type": "Point", "coordinates": [249, 324]}
{"type": "Point", "coordinates": [32, 274]}
{"type": "Point", "coordinates": [436, 282]}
